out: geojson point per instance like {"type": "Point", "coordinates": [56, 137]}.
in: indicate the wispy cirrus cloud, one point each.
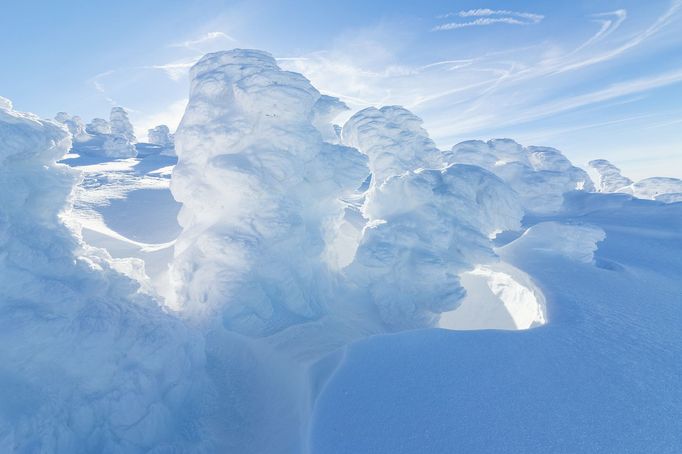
{"type": "Point", "coordinates": [196, 44]}
{"type": "Point", "coordinates": [485, 16]}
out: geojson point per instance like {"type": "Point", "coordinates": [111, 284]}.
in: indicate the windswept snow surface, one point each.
{"type": "Point", "coordinates": [291, 308]}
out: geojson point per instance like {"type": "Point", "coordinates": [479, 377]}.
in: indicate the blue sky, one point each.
{"type": "Point", "coordinates": [592, 78]}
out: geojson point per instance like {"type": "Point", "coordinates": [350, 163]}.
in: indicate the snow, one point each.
{"type": "Point", "coordinates": [664, 189]}
{"type": "Point", "coordinates": [540, 175]}
{"type": "Point", "coordinates": [285, 285]}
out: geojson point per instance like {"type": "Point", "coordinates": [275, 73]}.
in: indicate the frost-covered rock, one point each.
{"type": "Point", "coordinates": [87, 364]}
{"type": "Point", "coordinates": [260, 189]}
{"type": "Point", "coordinates": [610, 178]}
{"type": "Point", "coordinates": [540, 175]}
{"type": "Point", "coordinates": [120, 124]}
{"type": "Point", "coordinates": [393, 139]}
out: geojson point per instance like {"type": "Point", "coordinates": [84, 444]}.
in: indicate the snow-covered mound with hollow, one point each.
{"type": "Point", "coordinates": [540, 175]}
{"type": "Point", "coordinates": [663, 189]}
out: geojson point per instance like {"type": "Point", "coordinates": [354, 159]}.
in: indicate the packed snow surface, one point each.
{"type": "Point", "coordinates": [326, 289]}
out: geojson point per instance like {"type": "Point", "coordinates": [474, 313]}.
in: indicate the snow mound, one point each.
{"type": "Point", "coordinates": [540, 175]}
{"type": "Point", "coordinates": [663, 189]}
{"type": "Point", "coordinates": [98, 126]}
{"type": "Point", "coordinates": [259, 189]}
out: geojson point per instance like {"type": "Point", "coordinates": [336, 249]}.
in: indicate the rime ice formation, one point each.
{"type": "Point", "coordinates": [98, 126]}
{"type": "Point", "coordinates": [86, 363]}
{"type": "Point", "coordinates": [161, 136]}
{"type": "Point", "coordinates": [667, 190]}
{"type": "Point", "coordinates": [393, 139]}
{"type": "Point", "coordinates": [120, 124]}
{"type": "Point", "coordinates": [111, 139]}
{"type": "Point", "coordinates": [610, 178]}
{"type": "Point", "coordinates": [540, 175]}
{"type": "Point", "coordinates": [258, 186]}
{"type": "Point", "coordinates": [425, 228]}
{"type": "Point", "coordinates": [74, 124]}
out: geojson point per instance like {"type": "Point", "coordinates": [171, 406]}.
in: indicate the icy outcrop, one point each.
{"type": "Point", "coordinates": [663, 189]}
{"type": "Point", "coordinates": [120, 124]}
{"type": "Point", "coordinates": [86, 363]}
{"type": "Point", "coordinates": [393, 139]}
{"type": "Point", "coordinates": [540, 175]}
{"type": "Point", "coordinates": [260, 189]}
{"type": "Point", "coordinates": [610, 178]}
{"type": "Point", "coordinates": [325, 110]}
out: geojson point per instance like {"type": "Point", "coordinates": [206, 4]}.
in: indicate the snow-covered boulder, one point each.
{"type": "Point", "coordinates": [540, 175]}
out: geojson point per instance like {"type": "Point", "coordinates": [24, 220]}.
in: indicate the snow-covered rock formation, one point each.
{"type": "Point", "coordinates": [663, 189]}
{"type": "Point", "coordinates": [540, 175]}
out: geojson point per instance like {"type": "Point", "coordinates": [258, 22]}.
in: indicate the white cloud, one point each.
{"type": "Point", "coordinates": [195, 44]}
{"type": "Point", "coordinates": [485, 16]}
